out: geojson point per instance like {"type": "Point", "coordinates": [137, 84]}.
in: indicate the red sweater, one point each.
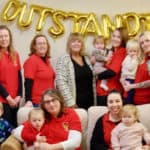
{"type": "Point", "coordinates": [114, 65]}
{"type": "Point", "coordinates": [29, 133]}
{"type": "Point", "coordinates": [142, 95]}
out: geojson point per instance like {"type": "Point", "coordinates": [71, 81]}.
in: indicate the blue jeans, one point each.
{"type": "Point", "coordinates": [129, 99]}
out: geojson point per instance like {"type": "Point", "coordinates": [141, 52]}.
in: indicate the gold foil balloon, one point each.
{"type": "Point", "coordinates": [78, 20]}
{"type": "Point", "coordinates": [87, 23]}
{"type": "Point", "coordinates": [42, 12]}
{"type": "Point", "coordinates": [58, 29]}
{"type": "Point", "coordinates": [91, 25]}
{"type": "Point", "coordinates": [11, 10]}
{"type": "Point", "coordinates": [107, 26]}
{"type": "Point", "coordinates": [132, 23]}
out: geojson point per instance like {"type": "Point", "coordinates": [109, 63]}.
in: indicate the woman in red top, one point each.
{"type": "Point", "coordinates": [64, 124]}
{"type": "Point", "coordinates": [112, 74]}
{"type": "Point", "coordinates": [101, 138]}
{"type": "Point", "coordinates": [38, 72]}
{"type": "Point", "coordinates": [10, 76]}
{"type": "Point", "coordinates": [142, 79]}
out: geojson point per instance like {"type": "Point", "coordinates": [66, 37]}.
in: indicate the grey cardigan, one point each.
{"type": "Point", "coordinates": [65, 79]}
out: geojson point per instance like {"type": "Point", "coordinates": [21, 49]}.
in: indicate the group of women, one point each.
{"type": "Point", "coordinates": [74, 77]}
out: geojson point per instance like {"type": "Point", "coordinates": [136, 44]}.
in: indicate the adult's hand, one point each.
{"type": "Point", "coordinates": [11, 101]}
{"type": "Point", "coordinates": [18, 99]}
{"type": "Point", "coordinates": [43, 146]}
{"type": "Point", "coordinates": [128, 86]}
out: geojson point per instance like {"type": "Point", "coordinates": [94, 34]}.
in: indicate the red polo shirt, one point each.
{"type": "Point", "coordinates": [59, 127]}
{"type": "Point", "coordinates": [115, 65]}
{"type": "Point", "coordinates": [108, 126]}
{"type": "Point", "coordinates": [9, 75]}
{"type": "Point", "coordinates": [41, 73]}
{"type": "Point", "coordinates": [142, 95]}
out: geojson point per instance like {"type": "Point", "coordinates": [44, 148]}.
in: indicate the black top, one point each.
{"type": "Point", "coordinates": [84, 85]}
{"type": "Point", "coordinates": [102, 128]}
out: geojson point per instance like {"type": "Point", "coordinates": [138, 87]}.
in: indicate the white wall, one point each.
{"type": "Point", "coordinates": [22, 38]}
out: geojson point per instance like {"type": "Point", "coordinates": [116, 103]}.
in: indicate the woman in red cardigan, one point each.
{"type": "Point", "coordinates": [112, 74]}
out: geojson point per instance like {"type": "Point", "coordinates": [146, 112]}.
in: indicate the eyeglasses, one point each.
{"type": "Point", "coordinates": [54, 100]}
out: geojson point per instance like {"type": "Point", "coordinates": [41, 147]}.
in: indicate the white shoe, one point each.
{"type": "Point", "coordinates": [104, 86]}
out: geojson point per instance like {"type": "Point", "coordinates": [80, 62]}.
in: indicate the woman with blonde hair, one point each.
{"type": "Point", "coordinates": [141, 85]}
{"type": "Point", "coordinates": [74, 75]}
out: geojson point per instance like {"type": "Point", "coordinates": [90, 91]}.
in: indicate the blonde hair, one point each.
{"type": "Point", "coordinates": [73, 37]}
{"type": "Point", "coordinates": [147, 35]}
{"type": "Point", "coordinates": [33, 43]}
{"type": "Point", "coordinates": [99, 37]}
{"type": "Point", "coordinates": [131, 109]}
{"type": "Point", "coordinates": [10, 47]}
{"type": "Point", "coordinates": [36, 110]}
{"type": "Point", "coordinates": [134, 44]}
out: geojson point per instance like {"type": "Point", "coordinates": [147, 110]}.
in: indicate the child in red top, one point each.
{"type": "Point", "coordinates": [35, 129]}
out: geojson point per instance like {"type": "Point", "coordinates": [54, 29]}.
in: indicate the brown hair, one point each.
{"type": "Point", "coordinates": [33, 43]}
{"type": "Point", "coordinates": [10, 48]}
{"type": "Point", "coordinates": [123, 34]}
{"type": "Point", "coordinates": [55, 94]}
{"type": "Point", "coordinates": [73, 37]}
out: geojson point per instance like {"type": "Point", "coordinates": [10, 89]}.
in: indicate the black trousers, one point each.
{"type": "Point", "coordinates": [10, 114]}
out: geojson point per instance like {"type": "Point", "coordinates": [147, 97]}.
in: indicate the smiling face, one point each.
{"type": "Point", "coordinates": [116, 39]}
{"type": "Point", "coordinates": [75, 46]}
{"type": "Point", "coordinates": [4, 38]}
{"type": "Point", "coordinates": [41, 46]}
{"type": "Point", "coordinates": [145, 42]}
{"type": "Point", "coordinates": [114, 103]}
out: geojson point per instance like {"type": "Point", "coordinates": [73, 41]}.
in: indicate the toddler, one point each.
{"type": "Point", "coordinates": [129, 66]}
{"type": "Point", "coordinates": [5, 126]}
{"type": "Point", "coordinates": [34, 129]}
{"type": "Point", "coordinates": [100, 56]}
{"type": "Point", "coordinates": [128, 134]}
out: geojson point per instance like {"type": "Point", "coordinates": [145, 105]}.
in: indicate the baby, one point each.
{"type": "Point", "coordinates": [128, 134]}
{"type": "Point", "coordinates": [100, 56]}
{"type": "Point", "coordinates": [130, 65]}
{"type": "Point", "coordinates": [34, 129]}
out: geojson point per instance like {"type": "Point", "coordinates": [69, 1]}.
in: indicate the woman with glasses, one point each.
{"type": "Point", "coordinates": [38, 72]}
{"type": "Point", "coordinates": [64, 124]}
